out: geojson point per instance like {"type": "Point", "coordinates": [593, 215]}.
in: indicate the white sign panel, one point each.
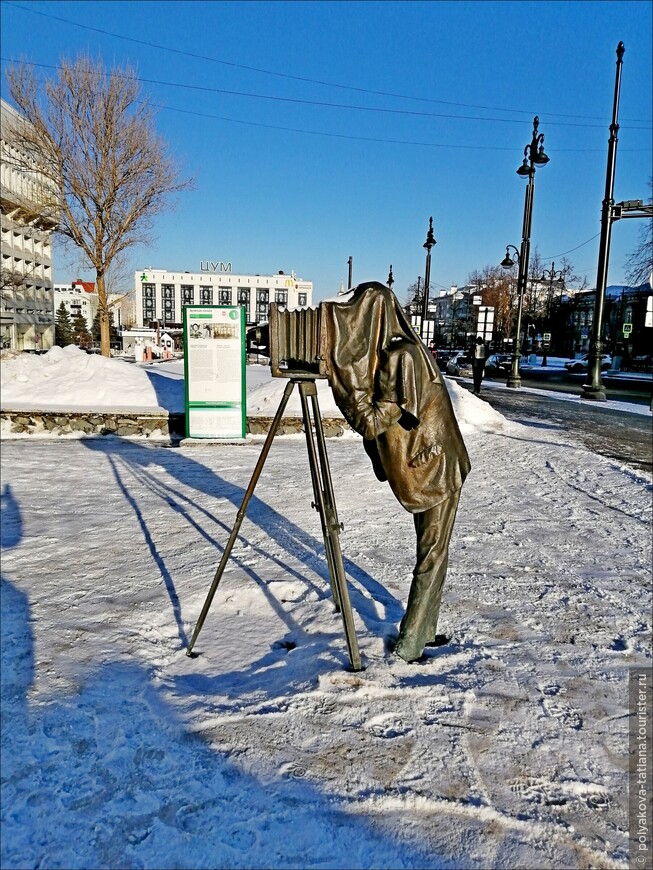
{"type": "Point", "coordinates": [214, 355]}
{"type": "Point", "coordinates": [485, 323]}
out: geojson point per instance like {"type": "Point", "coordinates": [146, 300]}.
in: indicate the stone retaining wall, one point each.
{"type": "Point", "coordinates": [132, 424]}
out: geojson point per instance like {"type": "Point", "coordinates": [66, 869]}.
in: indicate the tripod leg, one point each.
{"type": "Point", "coordinates": [240, 516]}
{"type": "Point", "coordinates": [328, 515]}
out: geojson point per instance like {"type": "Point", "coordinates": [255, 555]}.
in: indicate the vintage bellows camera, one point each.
{"type": "Point", "coordinates": [296, 342]}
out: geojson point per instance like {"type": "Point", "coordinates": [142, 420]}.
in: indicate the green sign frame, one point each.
{"type": "Point", "coordinates": [215, 371]}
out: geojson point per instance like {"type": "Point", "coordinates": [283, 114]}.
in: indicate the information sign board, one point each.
{"type": "Point", "coordinates": [214, 357]}
{"type": "Point", "coordinates": [485, 323]}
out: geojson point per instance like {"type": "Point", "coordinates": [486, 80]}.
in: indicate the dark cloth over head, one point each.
{"type": "Point", "coordinates": [391, 392]}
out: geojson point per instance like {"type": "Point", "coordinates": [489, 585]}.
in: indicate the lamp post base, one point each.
{"type": "Point", "coordinates": [513, 382]}
{"type": "Point", "coordinates": [593, 394]}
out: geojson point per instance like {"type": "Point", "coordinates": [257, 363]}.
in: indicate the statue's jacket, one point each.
{"type": "Point", "coordinates": [391, 392]}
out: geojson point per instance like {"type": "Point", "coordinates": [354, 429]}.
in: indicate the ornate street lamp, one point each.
{"type": "Point", "coordinates": [509, 262]}
{"type": "Point", "coordinates": [594, 388]}
{"type": "Point", "coordinates": [533, 156]}
{"type": "Point", "coordinates": [552, 274]}
{"type": "Point", "coordinates": [428, 244]}
{"type": "Point", "coordinates": [391, 279]}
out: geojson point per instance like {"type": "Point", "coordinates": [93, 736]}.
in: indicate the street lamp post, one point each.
{"type": "Point", "coordinates": [533, 156]}
{"type": "Point", "coordinates": [391, 279]}
{"type": "Point", "coordinates": [552, 274]}
{"type": "Point", "coordinates": [507, 263]}
{"type": "Point", "coordinates": [428, 244]}
{"type": "Point", "coordinates": [594, 388]}
{"type": "Point", "coordinates": [349, 278]}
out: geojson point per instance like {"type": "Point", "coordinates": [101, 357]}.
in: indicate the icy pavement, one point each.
{"type": "Point", "coordinates": [507, 747]}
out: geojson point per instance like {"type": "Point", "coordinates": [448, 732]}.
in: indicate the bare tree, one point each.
{"type": "Point", "coordinates": [14, 280]}
{"type": "Point", "coordinates": [106, 170]}
{"type": "Point", "coordinates": [496, 289]}
{"type": "Point", "coordinates": [640, 263]}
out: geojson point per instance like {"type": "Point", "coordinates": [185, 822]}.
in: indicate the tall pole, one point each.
{"type": "Point", "coordinates": [391, 279]}
{"type": "Point", "coordinates": [533, 155]}
{"type": "Point", "coordinates": [428, 244]}
{"type": "Point", "coordinates": [349, 279]}
{"type": "Point", "coordinates": [524, 256]}
{"type": "Point", "coordinates": [594, 388]}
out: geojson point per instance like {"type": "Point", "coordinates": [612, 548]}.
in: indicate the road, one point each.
{"type": "Point", "coordinates": [603, 428]}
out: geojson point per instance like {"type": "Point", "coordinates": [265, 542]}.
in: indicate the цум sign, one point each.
{"type": "Point", "coordinates": [214, 357]}
{"type": "Point", "coordinates": [211, 266]}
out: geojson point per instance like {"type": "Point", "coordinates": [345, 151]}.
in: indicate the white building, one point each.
{"type": "Point", "coordinates": [123, 308]}
{"type": "Point", "coordinates": [160, 295]}
{"type": "Point", "coordinates": [26, 301]}
{"type": "Point", "coordinates": [79, 297]}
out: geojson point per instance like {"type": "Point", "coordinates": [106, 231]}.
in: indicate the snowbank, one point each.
{"type": "Point", "coordinates": [71, 379]}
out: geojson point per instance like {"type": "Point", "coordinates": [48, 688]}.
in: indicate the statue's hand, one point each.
{"type": "Point", "coordinates": [373, 418]}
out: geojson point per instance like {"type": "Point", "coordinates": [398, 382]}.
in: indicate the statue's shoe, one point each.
{"type": "Point", "coordinates": [409, 652]}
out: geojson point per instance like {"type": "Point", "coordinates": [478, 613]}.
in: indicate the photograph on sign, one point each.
{"type": "Point", "coordinates": [214, 355]}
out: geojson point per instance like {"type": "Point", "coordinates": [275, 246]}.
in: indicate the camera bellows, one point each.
{"type": "Point", "coordinates": [295, 342]}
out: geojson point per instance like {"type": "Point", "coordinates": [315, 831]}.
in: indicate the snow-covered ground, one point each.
{"type": "Point", "coordinates": [507, 747]}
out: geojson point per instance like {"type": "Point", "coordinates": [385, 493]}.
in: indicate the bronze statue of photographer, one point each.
{"type": "Point", "coordinates": [390, 391]}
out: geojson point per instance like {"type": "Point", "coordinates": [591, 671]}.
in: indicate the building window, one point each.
{"type": "Point", "coordinates": [301, 299]}
{"type": "Point", "coordinates": [243, 296]}
{"type": "Point", "coordinates": [224, 295]}
{"type": "Point", "coordinates": [261, 311]}
{"type": "Point", "coordinates": [281, 296]}
{"type": "Point", "coordinates": [149, 302]}
{"type": "Point", "coordinates": [187, 294]}
{"type": "Point", "coordinates": [263, 295]}
{"type": "Point", "coordinates": [168, 296]}
{"type": "Point", "coordinates": [206, 295]}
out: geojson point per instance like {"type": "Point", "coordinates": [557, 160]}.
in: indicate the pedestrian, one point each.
{"type": "Point", "coordinates": [478, 354]}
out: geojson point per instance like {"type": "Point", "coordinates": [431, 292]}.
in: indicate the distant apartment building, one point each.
{"type": "Point", "coordinates": [160, 295]}
{"type": "Point", "coordinates": [123, 309]}
{"type": "Point", "coordinates": [78, 297]}
{"type": "Point", "coordinates": [27, 301]}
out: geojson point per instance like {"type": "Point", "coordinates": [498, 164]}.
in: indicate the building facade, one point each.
{"type": "Point", "coordinates": [625, 330]}
{"type": "Point", "coordinates": [27, 300]}
{"type": "Point", "coordinates": [123, 308]}
{"type": "Point", "coordinates": [160, 295]}
{"type": "Point", "coordinates": [79, 297]}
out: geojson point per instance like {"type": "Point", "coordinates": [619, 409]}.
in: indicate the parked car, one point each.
{"type": "Point", "coordinates": [460, 365]}
{"type": "Point", "coordinates": [442, 358]}
{"type": "Point", "coordinates": [582, 364]}
{"type": "Point", "coordinates": [498, 364]}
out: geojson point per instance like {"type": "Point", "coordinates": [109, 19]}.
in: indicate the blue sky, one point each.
{"type": "Point", "coordinates": [430, 108]}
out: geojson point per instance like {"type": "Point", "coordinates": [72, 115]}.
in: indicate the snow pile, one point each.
{"type": "Point", "coordinates": [71, 379]}
{"type": "Point", "coordinates": [263, 400]}
{"type": "Point", "coordinates": [472, 413]}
